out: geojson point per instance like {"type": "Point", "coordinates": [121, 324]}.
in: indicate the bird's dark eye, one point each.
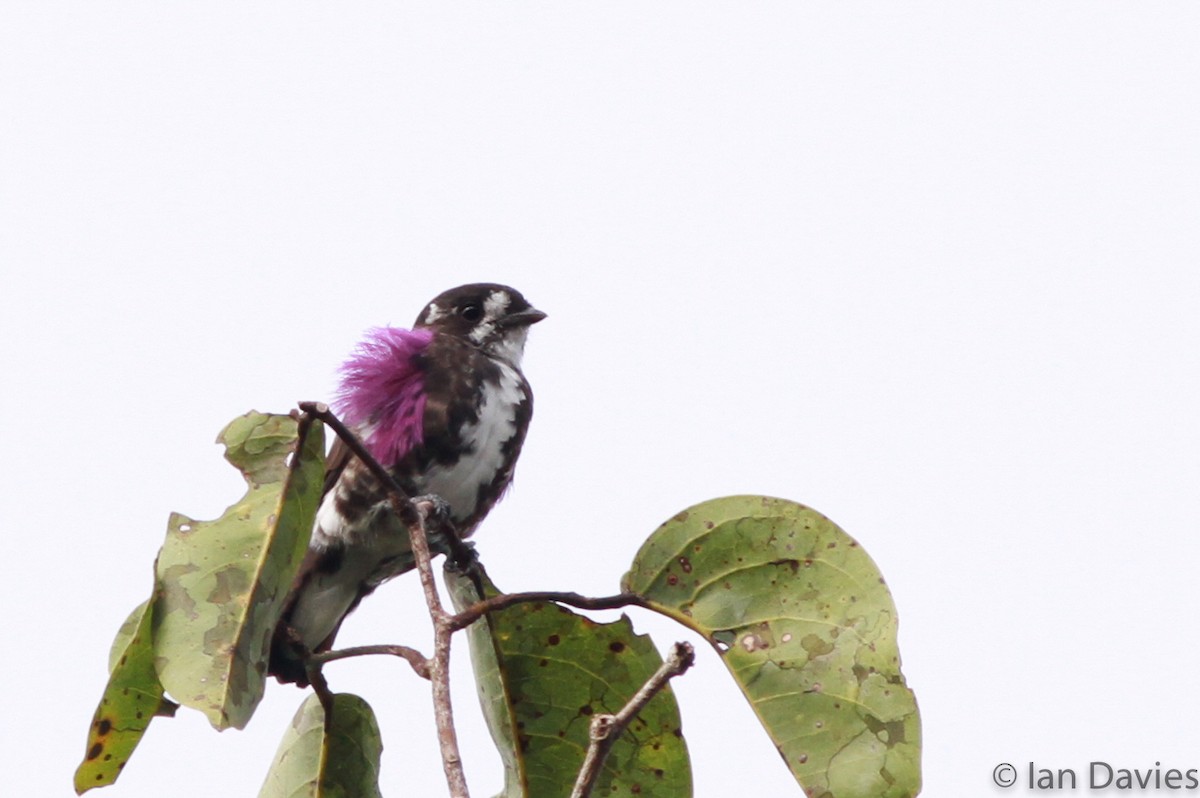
{"type": "Point", "coordinates": [472, 312]}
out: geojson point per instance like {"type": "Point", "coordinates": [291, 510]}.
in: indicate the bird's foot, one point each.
{"type": "Point", "coordinates": [434, 509]}
{"type": "Point", "coordinates": [443, 535]}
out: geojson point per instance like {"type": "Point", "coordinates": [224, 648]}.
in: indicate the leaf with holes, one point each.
{"type": "Point", "coordinates": [806, 626]}
{"type": "Point", "coordinates": [542, 672]}
{"type": "Point", "coordinates": [222, 583]}
{"type": "Point", "coordinates": [319, 762]}
{"type": "Point", "coordinates": [130, 701]}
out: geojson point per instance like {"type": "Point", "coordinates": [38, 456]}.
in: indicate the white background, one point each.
{"type": "Point", "coordinates": [931, 268]}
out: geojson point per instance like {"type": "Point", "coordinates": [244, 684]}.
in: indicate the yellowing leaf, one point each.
{"type": "Point", "coordinates": [222, 583]}
{"type": "Point", "coordinates": [130, 701]}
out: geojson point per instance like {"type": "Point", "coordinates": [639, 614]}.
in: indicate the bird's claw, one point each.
{"type": "Point", "coordinates": [439, 528]}
{"type": "Point", "coordinates": [433, 508]}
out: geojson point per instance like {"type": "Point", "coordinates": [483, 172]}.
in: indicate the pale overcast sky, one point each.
{"type": "Point", "coordinates": [930, 268]}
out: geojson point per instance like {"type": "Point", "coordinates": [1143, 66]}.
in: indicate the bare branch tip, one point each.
{"type": "Point", "coordinates": [602, 726]}
{"type": "Point", "coordinates": [418, 661]}
{"type": "Point", "coordinates": [606, 728]}
{"type": "Point", "coordinates": [683, 656]}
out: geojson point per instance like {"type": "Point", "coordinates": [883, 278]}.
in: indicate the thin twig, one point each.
{"type": "Point", "coordinates": [605, 729]}
{"type": "Point", "coordinates": [439, 665]}
{"type": "Point", "coordinates": [414, 516]}
{"type": "Point", "coordinates": [480, 608]}
{"type": "Point", "coordinates": [415, 658]}
{"type": "Point", "coordinates": [404, 509]}
{"type": "Point", "coordinates": [321, 688]}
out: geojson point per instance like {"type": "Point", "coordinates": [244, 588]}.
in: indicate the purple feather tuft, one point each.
{"type": "Point", "coordinates": [382, 394]}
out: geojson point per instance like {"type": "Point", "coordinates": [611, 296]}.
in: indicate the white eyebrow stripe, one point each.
{"type": "Point", "coordinates": [495, 305]}
{"type": "Point", "coordinates": [433, 313]}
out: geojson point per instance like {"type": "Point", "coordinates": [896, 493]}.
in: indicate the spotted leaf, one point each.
{"type": "Point", "coordinates": [542, 672]}
{"type": "Point", "coordinates": [806, 626]}
{"type": "Point", "coordinates": [130, 701]}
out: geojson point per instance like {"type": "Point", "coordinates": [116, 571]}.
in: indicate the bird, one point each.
{"type": "Point", "coordinates": [444, 407]}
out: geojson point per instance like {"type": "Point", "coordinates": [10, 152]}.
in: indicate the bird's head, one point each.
{"type": "Point", "coordinates": [494, 318]}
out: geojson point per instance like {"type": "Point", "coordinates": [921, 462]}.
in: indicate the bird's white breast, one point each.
{"type": "Point", "coordinates": [459, 483]}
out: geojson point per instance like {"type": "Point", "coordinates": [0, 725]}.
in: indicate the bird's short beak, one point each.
{"type": "Point", "coordinates": [522, 319]}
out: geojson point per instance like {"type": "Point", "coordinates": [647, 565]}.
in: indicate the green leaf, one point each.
{"type": "Point", "coordinates": [318, 762]}
{"type": "Point", "coordinates": [221, 584]}
{"type": "Point", "coordinates": [806, 626]}
{"type": "Point", "coordinates": [130, 701]}
{"type": "Point", "coordinates": [543, 672]}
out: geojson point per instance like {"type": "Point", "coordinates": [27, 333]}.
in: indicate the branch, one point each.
{"type": "Point", "coordinates": [414, 515]}
{"type": "Point", "coordinates": [605, 729]}
{"type": "Point", "coordinates": [415, 658]}
{"type": "Point", "coordinates": [505, 600]}
{"type": "Point", "coordinates": [439, 666]}
{"type": "Point", "coordinates": [404, 509]}
{"type": "Point", "coordinates": [321, 688]}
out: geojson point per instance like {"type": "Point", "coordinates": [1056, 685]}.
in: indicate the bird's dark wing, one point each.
{"type": "Point", "coordinates": [452, 398]}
